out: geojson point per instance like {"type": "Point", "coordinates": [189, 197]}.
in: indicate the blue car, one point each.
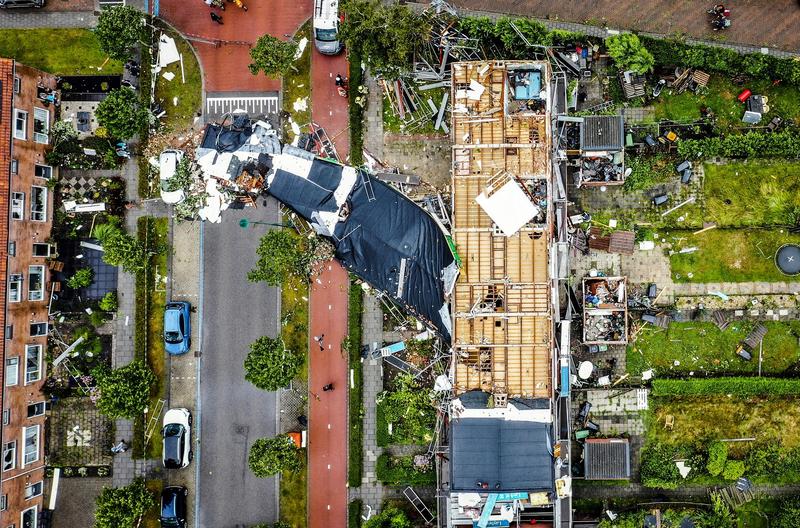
{"type": "Point", "coordinates": [177, 327]}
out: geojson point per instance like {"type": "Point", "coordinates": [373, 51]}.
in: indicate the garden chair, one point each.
{"type": "Point", "coordinates": [669, 422]}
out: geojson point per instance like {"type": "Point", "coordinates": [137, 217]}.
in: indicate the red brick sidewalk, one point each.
{"type": "Point", "coordinates": [225, 65]}
{"type": "Point", "coordinates": [772, 23]}
{"type": "Point", "coordinates": [327, 432]}
{"type": "Point", "coordinates": [328, 108]}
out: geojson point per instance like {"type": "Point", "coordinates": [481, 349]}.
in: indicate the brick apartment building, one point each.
{"type": "Point", "coordinates": [26, 207]}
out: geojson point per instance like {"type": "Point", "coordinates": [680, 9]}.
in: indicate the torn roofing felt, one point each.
{"type": "Point", "coordinates": [379, 234]}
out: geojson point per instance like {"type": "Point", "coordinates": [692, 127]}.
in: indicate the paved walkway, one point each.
{"type": "Point", "coordinates": [756, 23]}
{"type": "Point", "coordinates": [328, 108]}
{"type": "Point", "coordinates": [328, 424]}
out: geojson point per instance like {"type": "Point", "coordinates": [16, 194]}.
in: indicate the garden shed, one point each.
{"type": "Point", "coordinates": [607, 459]}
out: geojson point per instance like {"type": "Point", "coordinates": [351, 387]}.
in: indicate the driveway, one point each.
{"type": "Point", "coordinates": [233, 413]}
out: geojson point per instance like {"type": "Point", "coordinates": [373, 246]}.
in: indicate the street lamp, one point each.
{"type": "Point", "coordinates": [244, 223]}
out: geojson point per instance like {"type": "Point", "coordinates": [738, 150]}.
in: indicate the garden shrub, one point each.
{"type": "Point", "coordinates": [717, 456]}
{"type": "Point", "coordinates": [401, 471]}
{"type": "Point", "coordinates": [408, 408]}
{"type": "Point", "coordinates": [788, 514]}
{"type": "Point", "coordinates": [82, 278]}
{"type": "Point", "coordinates": [109, 302]}
{"type": "Point", "coordinates": [658, 469]}
{"type": "Point", "coordinates": [629, 53]}
{"type": "Point", "coordinates": [736, 386]}
{"type": "Point", "coordinates": [733, 470]}
{"type": "Point", "coordinates": [390, 517]}
{"type": "Point", "coordinates": [784, 144]}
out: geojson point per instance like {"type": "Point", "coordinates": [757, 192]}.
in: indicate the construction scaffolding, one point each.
{"type": "Point", "coordinates": [501, 224]}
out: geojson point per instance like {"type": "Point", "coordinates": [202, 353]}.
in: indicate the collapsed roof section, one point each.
{"type": "Point", "coordinates": [379, 234]}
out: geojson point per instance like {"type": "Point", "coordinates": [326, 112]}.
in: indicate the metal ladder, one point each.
{"type": "Point", "coordinates": [414, 499]}
{"type": "Point", "coordinates": [152, 423]}
{"type": "Point", "coordinates": [325, 145]}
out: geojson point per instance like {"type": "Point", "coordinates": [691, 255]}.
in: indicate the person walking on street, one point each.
{"type": "Point", "coordinates": [319, 339]}
{"type": "Point", "coordinates": [328, 387]}
{"type": "Point", "coordinates": [216, 18]}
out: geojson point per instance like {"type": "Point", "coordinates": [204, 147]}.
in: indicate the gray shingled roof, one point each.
{"type": "Point", "coordinates": [602, 133]}
{"type": "Point", "coordinates": [607, 459]}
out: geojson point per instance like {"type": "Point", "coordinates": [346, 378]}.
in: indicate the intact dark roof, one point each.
{"type": "Point", "coordinates": [602, 133]}
{"type": "Point", "coordinates": [515, 454]}
{"type": "Point", "coordinates": [607, 459]}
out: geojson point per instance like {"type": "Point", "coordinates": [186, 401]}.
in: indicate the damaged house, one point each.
{"type": "Point", "coordinates": [601, 151]}
{"type": "Point", "coordinates": [605, 313]}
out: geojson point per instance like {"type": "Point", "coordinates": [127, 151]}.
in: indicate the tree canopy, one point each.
{"type": "Point", "coordinates": [386, 35]}
{"type": "Point", "coordinates": [269, 456]}
{"type": "Point", "coordinates": [123, 506]}
{"type": "Point", "coordinates": [391, 517]}
{"type": "Point", "coordinates": [118, 30]}
{"type": "Point", "coordinates": [121, 249]}
{"type": "Point", "coordinates": [125, 391]}
{"type": "Point", "coordinates": [122, 113]}
{"type": "Point", "coordinates": [269, 366]}
{"type": "Point", "coordinates": [272, 56]}
{"type": "Point", "coordinates": [629, 53]}
{"type": "Point", "coordinates": [281, 254]}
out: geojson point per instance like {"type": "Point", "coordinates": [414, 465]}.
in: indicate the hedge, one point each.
{"type": "Point", "coordinates": [353, 346]}
{"type": "Point", "coordinates": [741, 387]}
{"type": "Point", "coordinates": [785, 144]}
{"type": "Point", "coordinates": [400, 471]}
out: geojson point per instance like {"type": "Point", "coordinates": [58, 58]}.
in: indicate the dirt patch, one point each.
{"type": "Point", "coordinates": [427, 157]}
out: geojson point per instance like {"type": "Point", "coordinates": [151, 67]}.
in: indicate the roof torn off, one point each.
{"type": "Point", "coordinates": [508, 206]}
{"type": "Point", "coordinates": [379, 234]}
{"type": "Point", "coordinates": [167, 51]}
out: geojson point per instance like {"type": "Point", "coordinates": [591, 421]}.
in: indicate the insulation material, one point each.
{"type": "Point", "coordinates": [167, 51]}
{"type": "Point", "coordinates": [509, 207]}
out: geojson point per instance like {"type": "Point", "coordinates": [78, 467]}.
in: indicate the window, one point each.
{"type": "Point", "coordinates": [33, 363]}
{"type": "Point", "coordinates": [20, 124]}
{"type": "Point", "coordinates": [12, 249]}
{"type": "Point", "coordinates": [30, 450]}
{"type": "Point", "coordinates": [41, 250]}
{"type": "Point", "coordinates": [43, 171]}
{"type": "Point", "coordinates": [38, 329]}
{"type": "Point", "coordinates": [33, 490]}
{"type": "Point", "coordinates": [3, 502]}
{"type": "Point", "coordinates": [36, 409]}
{"type": "Point", "coordinates": [9, 455]}
{"type": "Point", "coordinates": [17, 205]}
{"type": "Point", "coordinates": [35, 284]}
{"type": "Point", "coordinates": [9, 331]}
{"type": "Point", "coordinates": [12, 371]}
{"type": "Point", "coordinates": [15, 287]}
{"type": "Point", "coordinates": [6, 416]}
{"type": "Point", "coordinates": [41, 125]}
{"type": "Point", "coordinates": [38, 203]}
{"type": "Point", "coordinates": [14, 166]}
{"type": "Point", "coordinates": [17, 84]}
{"type": "Point", "coordinates": [30, 518]}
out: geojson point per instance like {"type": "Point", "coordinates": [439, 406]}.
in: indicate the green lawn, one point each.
{"type": "Point", "coordinates": [151, 518]}
{"type": "Point", "coordinates": [721, 96]}
{"type": "Point", "coordinates": [57, 51]}
{"type": "Point", "coordinates": [752, 193]}
{"type": "Point", "coordinates": [297, 85]}
{"type": "Point", "coordinates": [189, 94]}
{"type": "Point", "coordinates": [726, 255]}
{"type": "Point", "coordinates": [702, 347]}
{"type": "Point", "coordinates": [293, 496]}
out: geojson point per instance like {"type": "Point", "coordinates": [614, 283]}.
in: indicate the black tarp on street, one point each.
{"type": "Point", "coordinates": [384, 238]}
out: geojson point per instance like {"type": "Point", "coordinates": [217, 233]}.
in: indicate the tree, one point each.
{"type": "Point", "coordinates": [717, 456]}
{"type": "Point", "coordinates": [269, 366]}
{"type": "Point", "coordinates": [269, 456]}
{"type": "Point", "coordinates": [118, 30]}
{"type": "Point", "coordinates": [122, 113]}
{"type": "Point", "coordinates": [281, 255]}
{"type": "Point", "coordinates": [386, 35]}
{"type": "Point", "coordinates": [272, 56]}
{"type": "Point", "coordinates": [121, 249]}
{"type": "Point", "coordinates": [391, 517]}
{"type": "Point", "coordinates": [629, 53]}
{"type": "Point", "coordinates": [124, 392]}
{"type": "Point", "coordinates": [123, 506]}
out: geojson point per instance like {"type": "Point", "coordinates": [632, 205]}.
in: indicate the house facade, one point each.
{"type": "Point", "coordinates": [25, 289]}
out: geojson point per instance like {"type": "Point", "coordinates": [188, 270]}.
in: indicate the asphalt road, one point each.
{"type": "Point", "coordinates": [233, 413]}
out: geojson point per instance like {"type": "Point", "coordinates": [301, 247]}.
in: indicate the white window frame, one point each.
{"type": "Point", "coordinates": [10, 447]}
{"type": "Point", "coordinates": [32, 495]}
{"type": "Point", "coordinates": [37, 435]}
{"type": "Point", "coordinates": [33, 375]}
{"type": "Point", "coordinates": [47, 246]}
{"type": "Point", "coordinates": [48, 168]}
{"type": "Point", "coordinates": [15, 282]}
{"type": "Point", "coordinates": [43, 406]}
{"type": "Point", "coordinates": [46, 328]}
{"type": "Point", "coordinates": [23, 134]}
{"type": "Point", "coordinates": [17, 205]}
{"type": "Point", "coordinates": [38, 215]}
{"type": "Point", "coordinates": [35, 522]}
{"type": "Point", "coordinates": [36, 295]}
{"type": "Point", "coordinates": [41, 114]}
{"type": "Point", "coordinates": [12, 365]}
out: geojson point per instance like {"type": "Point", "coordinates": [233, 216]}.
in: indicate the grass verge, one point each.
{"type": "Point", "coordinates": [704, 349]}
{"type": "Point", "coordinates": [149, 326]}
{"type": "Point", "coordinates": [71, 51]}
{"type": "Point", "coordinates": [356, 407]}
{"type": "Point", "coordinates": [356, 79]}
{"type": "Point", "coordinates": [151, 518]}
{"type": "Point", "coordinates": [297, 87]}
{"type": "Point", "coordinates": [189, 94]}
{"type": "Point", "coordinates": [726, 255]}
{"type": "Point", "coordinates": [293, 496]}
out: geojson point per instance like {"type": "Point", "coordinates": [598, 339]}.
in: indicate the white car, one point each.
{"type": "Point", "coordinates": [167, 167]}
{"type": "Point", "coordinates": [177, 433]}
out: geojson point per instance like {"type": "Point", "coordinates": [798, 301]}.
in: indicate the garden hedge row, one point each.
{"type": "Point", "coordinates": [742, 387]}
{"type": "Point", "coordinates": [785, 144]}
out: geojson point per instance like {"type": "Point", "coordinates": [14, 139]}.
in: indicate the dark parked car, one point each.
{"type": "Point", "coordinates": [21, 3]}
{"type": "Point", "coordinates": [173, 507]}
{"type": "Point", "coordinates": [177, 327]}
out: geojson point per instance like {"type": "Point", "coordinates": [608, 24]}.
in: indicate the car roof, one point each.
{"type": "Point", "coordinates": [171, 321]}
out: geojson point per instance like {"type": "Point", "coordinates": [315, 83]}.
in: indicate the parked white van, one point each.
{"type": "Point", "coordinates": [326, 27]}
